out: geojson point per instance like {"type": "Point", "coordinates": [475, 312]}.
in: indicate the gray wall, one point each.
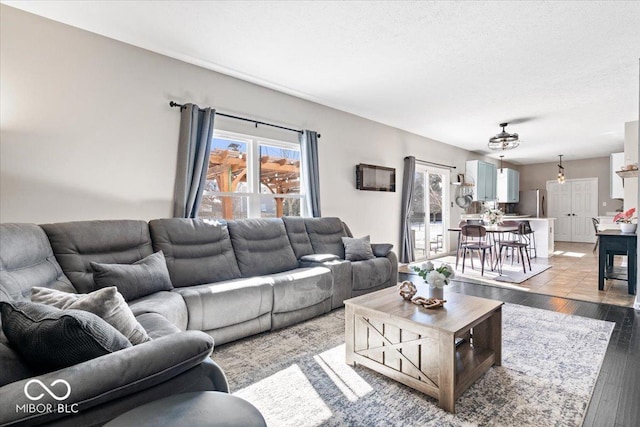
{"type": "Point", "coordinates": [536, 176]}
{"type": "Point", "coordinates": [86, 131]}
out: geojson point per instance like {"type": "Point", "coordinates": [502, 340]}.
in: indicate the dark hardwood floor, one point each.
{"type": "Point", "coordinates": [616, 397]}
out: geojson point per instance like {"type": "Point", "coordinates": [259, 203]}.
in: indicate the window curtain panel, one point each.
{"type": "Point", "coordinates": [311, 175]}
{"type": "Point", "coordinates": [406, 243]}
{"type": "Point", "coordinates": [194, 145]}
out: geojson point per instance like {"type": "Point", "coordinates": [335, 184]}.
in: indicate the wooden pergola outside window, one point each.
{"type": "Point", "coordinates": [228, 173]}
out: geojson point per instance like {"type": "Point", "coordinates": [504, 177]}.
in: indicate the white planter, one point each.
{"type": "Point", "coordinates": [628, 228]}
{"type": "Point", "coordinates": [435, 292]}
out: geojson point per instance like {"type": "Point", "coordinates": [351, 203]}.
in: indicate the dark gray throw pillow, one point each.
{"type": "Point", "coordinates": [357, 249]}
{"type": "Point", "coordinates": [381, 249]}
{"type": "Point", "coordinates": [48, 338]}
{"type": "Point", "coordinates": [137, 280]}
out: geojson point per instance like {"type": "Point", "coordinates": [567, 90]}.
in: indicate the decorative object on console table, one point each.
{"type": "Point", "coordinates": [436, 278]}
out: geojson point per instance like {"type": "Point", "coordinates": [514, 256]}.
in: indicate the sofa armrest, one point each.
{"type": "Point", "coordinates": [381, 249]}
{"type": "Point", "coordinates": [319, 258]}
{"type": "Point", "coordinates": [393, 259]}
{"type": "Point", "coordinates": [108, 377]}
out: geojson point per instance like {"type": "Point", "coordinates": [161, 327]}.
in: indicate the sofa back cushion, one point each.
{"type": "Point", "coordinates": [326, 235]}
{"type": "Point", "coordinates": [298, 237]}
{"type": "Point", "coordinates": [196, 252]}
{"type": "Point", "coordinates": [27, 260]}
{"type": "Point", "coordinates": [261, 246]}
{"type": "Point", "coordinates": [77, 244]}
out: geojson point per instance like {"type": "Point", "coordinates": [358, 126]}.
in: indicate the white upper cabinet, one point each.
{"type": "Point", "coordinates": [508, 186]}
{"type": "Point", "coordinates": [483, 177]}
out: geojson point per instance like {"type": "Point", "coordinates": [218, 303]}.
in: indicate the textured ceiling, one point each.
{"type": "Point", "coordinates": [565, 72]}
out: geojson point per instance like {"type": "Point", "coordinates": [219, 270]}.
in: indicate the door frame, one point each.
{"type": "Point", "coordinates": [446, 212]}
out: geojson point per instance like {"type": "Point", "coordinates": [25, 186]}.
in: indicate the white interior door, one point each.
{"type": "Point", "coordinates": [559, 207]}
{"type": "Point", "coordinates": [584, 204]}
{"type": "Point", "coordinates": [573, 204]}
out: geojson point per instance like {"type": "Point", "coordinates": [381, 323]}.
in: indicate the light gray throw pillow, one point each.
{"type": "Point", "coordinates": [357, 249]}
{"type": "Point", "coordinates": [137, 280]}
{"type": "Point", "coordinates": [106, 303]}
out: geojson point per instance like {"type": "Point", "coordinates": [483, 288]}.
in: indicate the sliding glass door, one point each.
{"type": "Point", "coordinates": [430, 213]}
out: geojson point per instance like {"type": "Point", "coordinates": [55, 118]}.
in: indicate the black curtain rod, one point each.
{"type": "Point", "coordinates": [256, 122]}
{"type": "Point", "coordinates": [435, 164]}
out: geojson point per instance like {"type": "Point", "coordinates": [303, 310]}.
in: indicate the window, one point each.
{"type": "Point", "coordinates": [252, 177]}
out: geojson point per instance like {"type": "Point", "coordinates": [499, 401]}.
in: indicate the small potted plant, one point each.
{"type": "Point", "coordinates": [436, 278]}
{"type": "Point", "coordinates": [625, 220]}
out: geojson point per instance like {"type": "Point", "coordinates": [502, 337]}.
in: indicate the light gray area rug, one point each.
{"type": "Point", "coordinates": [510, 273]}
{"type": "Point", "coordinates": [297, 376]}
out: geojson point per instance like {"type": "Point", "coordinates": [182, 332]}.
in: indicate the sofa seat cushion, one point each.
{"type": "Point", "coordinates": [300, 288]}
{"type": "Point", "coordinates": [26, 260]}
{"type": "Point", "coordinates": [156, 325]}
{"type": "Point", "coordinates": [370, 273]}
{"type": "Point", "coordinates": [196, 252]}
{"type": "Point", "coordinates": [221, 304]}
{"type": "Point", "coordinates": [168, 304]}
{"type": "Point", "coordinates": [49, 338]}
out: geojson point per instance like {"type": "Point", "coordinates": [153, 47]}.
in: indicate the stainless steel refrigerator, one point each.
{"type": "Point", "coordinates": [534, 203]}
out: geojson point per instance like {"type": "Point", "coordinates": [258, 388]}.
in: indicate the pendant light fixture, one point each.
{"type": "Point", "coordinates": [504, 140]}
{"type": "Point", "coordinates": [560, 171]}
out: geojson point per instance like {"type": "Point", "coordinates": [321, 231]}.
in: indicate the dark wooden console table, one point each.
{"type": "Point", "coordinates": [614, 242]}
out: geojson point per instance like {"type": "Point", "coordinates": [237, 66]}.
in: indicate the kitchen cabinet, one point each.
{"type": "Point", "coordinates": [508, 185]}
{"type": "Point", "coordinates": [616, 188]}
{"type": "Point", "coordinates": [483, 177]}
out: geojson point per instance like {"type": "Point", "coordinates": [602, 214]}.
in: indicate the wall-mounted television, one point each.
{"type": "Point", "coordinates": [375, 178]}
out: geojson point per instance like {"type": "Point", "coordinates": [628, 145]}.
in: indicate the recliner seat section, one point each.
{"type": "Point", "coordinates": [263, 248]}
{"type": "Point", "coordinates": [316, 236]}
{"type": "Point", "coordinates": [203, 268]}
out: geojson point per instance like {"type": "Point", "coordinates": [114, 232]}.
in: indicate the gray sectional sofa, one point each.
{"type": "Point", "coordinates": [229, 281]}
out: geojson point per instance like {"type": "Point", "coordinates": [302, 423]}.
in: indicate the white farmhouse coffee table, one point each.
{"type": "Point", "coordinates": [417, 346]}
